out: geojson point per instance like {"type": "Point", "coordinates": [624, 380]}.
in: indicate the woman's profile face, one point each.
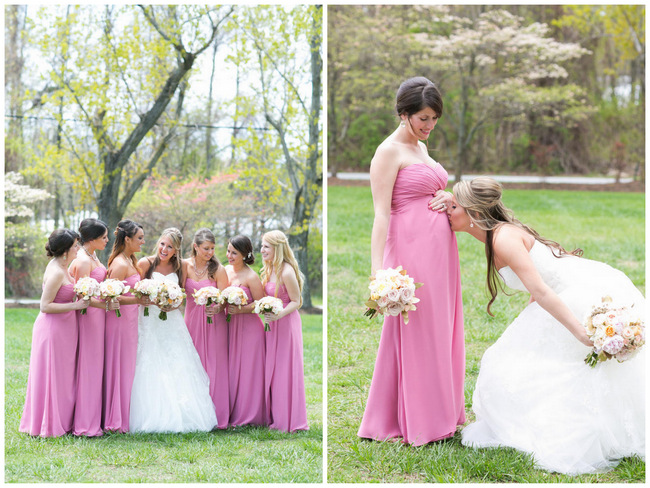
{"type": "Point", "coordinates": [458, 218]}
{"type": "Point", "coordinates": [421, 123]}
{"type": "Point", "coordinates": [233, 255]}
{"type": "Point", "coordinates": [100, 242]}
{"type": "Point", "coordinates": [267, 252]}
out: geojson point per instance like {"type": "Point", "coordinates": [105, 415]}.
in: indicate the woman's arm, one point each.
{"type": "Point", "coordinates": [293, 289]}
{"type": "Point", "coordinates": [52, 281]}
{"type": "Point", "coordinates": [383, 172]}
{"type": "Point", "coordinates": [510, 248]}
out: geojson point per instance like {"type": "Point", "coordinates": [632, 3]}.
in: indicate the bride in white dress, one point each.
{"type": "Point", "coordinates": [534, 392]}
{"type": "Point", "coordinates": [170, 389]}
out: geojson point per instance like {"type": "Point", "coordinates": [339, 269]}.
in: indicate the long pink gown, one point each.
{"type": "Point", "coordinates": [246, 357]}
{"type": "Point", "coordinates": [121, 348]}
{"type": "Point", "coordinates": [284, 376]}
{"type": "Point", "coordinates": [211, 342]}
{"type": "Point", "coordinates": [417, 386]}
{"type": "Point", "coordinates": [51, 384]}
{"type": "Point", "coordinates": [90, 367]}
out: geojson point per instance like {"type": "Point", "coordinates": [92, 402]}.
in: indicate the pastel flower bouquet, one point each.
{"type": "Point", "coordinates": [208, 295]}
{"type": "Point", "coordinates": [392, 292]}
{"type": "Point", "coordinates": [169, 295]}
{"type": "Point", "coordinates": [86, 288]}
{"type": "Point", "coordinates": [268, 305]}
{"type": "Point", "coordinates": [110, 289]}
{"type": "Point", "coordinates": [617, 332]}
{"type": "Point", "coordinates": [233, 295]}
{"type": "Point", "coordinates": [148, 288]}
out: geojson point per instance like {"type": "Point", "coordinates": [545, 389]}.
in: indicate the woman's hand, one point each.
{"type": "Point", "coordinates": [440, 201]}
{"type": "Point", "coordinates": [113, 305]}
{"type": "Point", "coordinates": [584, 338]}
{"type": "Point", "coordinates": [166, 308]}
{"type": "Point", "coordinates": [271, 317]}
{"type": "Point", "coordinates": [213, 309]}
{"type": "Point", "coordinates": [235, 309]}
{"type": "Point", "coordinates": [144, 300]}
{"type": "Point", "coordinates": [82, 304]}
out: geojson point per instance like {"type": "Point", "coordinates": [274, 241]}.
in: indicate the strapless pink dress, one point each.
{"type": "Point", "coordinates": [121, 349]}
{"type": "Point", "coordinates": [50, 397]}
{"type": "Point", "coordinates": [417, 390]}
{"type": "Point", "coordinates": [284, 382]}
{"type": "Point", "coordinates": [90, 367]}
{"type": "Point", "coordinates": [246, 356]}
{"type": "Point", "coordinates": [211, 342]}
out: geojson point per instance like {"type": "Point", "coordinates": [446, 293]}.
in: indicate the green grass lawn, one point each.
{"type": "Point", "coordinates": [245, 454]}
{"type": "Point", "coordinates": [607, 226]}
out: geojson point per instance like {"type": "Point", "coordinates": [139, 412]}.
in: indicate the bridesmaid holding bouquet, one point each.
{"type": "Point", "coordinates": [210, 340]}
{"type": "Point", "coordinates": [121, 339]}
{"type": "Point", "coordinates": [284, 379]}
{"type": "Point", "coordinates": [246, 354]}
{"type": "Point", "coordinates": [90, 355]}
{"type": "Point", "coordinates": [50, 398]}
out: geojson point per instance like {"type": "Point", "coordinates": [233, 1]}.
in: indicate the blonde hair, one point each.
{"type": "Point", "coordinates": [177, 241]}
{"type": "Point", "coordinates": [481, 200]}
{"type": "Point", "coordinates": [283, 254]}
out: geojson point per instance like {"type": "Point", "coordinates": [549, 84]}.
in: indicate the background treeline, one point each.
{"type": "Point", "coordinates": [189, 116]}
{"type": "Point", "coordinates": [527, 89]}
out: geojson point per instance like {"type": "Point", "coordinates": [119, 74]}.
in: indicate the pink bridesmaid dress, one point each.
{"type": "Point", "coordinates": [211, 342]}
{"type": "Point", "coordinates": [121, 348]}
{"type": "Point", "coordinates": [51, 384]}
{"type": "Point", "coordinates": [90, 367]}
{"type": "Point", "coordinates": [417, 390]}
{"type": "Point", "coordinates": [284, 377]}
{"type": "Point", "coordinates": [246, 368]}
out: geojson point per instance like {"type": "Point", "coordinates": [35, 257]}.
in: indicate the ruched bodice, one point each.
{"type": "Point", "coordinates": [416, 182]}
{"type": "Point", "coordinates": [65, 294]}
{"type": "Point", "coordinates": [283, 295]}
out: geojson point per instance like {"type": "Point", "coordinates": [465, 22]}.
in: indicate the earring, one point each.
{"type": "Point", "coordinates": [402, 123]}
{"type": "Point", "coordinates": [471, 224]}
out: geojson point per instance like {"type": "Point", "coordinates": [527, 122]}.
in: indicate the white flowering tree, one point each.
{"type": "Point", "coordinates": [495, 68]}
{"type": "Point", "coordinates": [22, 239]}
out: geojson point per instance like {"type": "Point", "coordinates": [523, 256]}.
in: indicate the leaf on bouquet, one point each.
{"type": "Point", "coordinates": [418, 285]}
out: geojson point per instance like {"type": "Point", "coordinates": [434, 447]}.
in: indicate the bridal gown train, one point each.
{"type": "Point", "coordinates": [535, 393]}
{"type": "Point", "coordinates": [170, 389]}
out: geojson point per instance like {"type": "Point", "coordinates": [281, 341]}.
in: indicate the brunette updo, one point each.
{"type": "Point", "coordinates": [60, 242]}
{"type": "Point", "coordinates": [91, 229]}
{"type": "Point", "coordinates": [417, 93]}
{"type": "Point", "coordinates": [245, 247]}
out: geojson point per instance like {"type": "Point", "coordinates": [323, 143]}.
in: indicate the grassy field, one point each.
{"type": "Point", "coordinates": [607, 226]}
{"type": "Point", "coordinates": [245, 454]}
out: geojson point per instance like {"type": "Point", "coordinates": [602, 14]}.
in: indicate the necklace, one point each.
{"type": "Point", "coordinates": [91, 256]}
{"type": "Point", "coordinates": [200, 274]}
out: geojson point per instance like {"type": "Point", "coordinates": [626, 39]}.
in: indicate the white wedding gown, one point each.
{"type": "Point", "coordinates": [535, 393]}
{"type": "Point", "coordinates": [170, 389]}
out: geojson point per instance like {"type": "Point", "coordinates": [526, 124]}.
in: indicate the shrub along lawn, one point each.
{"type": "Point", "coordinates": [240, 455]}
{"type": "Point", "coordinates": [607, 226]}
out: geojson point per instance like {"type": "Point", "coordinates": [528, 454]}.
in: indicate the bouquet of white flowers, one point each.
{"type": "Point", "coordinates": [170, 295]}
{"type": "Point", "coordinates": [110, 289]}
{"type": "Point", "coordinates": [392, 292]}
{"type": "Point", "coordinates": [148, 288]}
{"type": "Point", "coordinates": [233, 295]}
{"type": "Point", "coordinates": [86, 287]}
{"type": "Point", "coordinates": [268, 305]}
{"type": "Point", "coordinates": [207, 295]}
{"type": "Point", "coordinates": [617, 332]}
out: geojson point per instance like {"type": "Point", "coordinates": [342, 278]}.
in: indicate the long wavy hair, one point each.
{"type": "Point", "coordinates": [481, 199]}
{"type": "Point", "coordinates": [177, 259]}
{"type": "Point", "coordinates": [125, 228]}
{"type": "Point", "coordinates": [201, 236]}
{"type": "Point", "coordinates": [283, 254]}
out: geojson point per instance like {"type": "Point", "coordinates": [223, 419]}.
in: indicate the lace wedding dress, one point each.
{"type": "Point", "coordinates": [535, 393]}
{"type": "Point", "coordinates": [171, 388]}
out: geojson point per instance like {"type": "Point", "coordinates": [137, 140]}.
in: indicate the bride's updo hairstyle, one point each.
{"type": "Point", "coordinates": [283, 254]}
{"type": "Point", "coordinates": [481, 199]}
{"type": "Point", "coordinates": [176, 260]}
{"type": "Point", "coordinates": [201, 236]}
{"type": "Point", "coordinates": [416, 94]}
{"type": "Point", "coordinates": [125, 228]}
